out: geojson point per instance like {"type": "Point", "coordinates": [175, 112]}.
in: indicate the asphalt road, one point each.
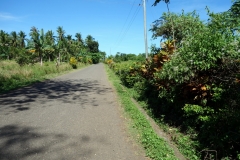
{"type": "Point", "coordinates": [71, 117]}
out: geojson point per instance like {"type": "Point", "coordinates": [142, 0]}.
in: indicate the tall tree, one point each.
{"type": "Point", "coordinates": [22, 38]}
{"type": "Point", "coordinates": [4, 44]}
{"type": "Point", "coordinates": [226, 20]}
{"type": "Point", "coordinates": [38, 41]}
{"type": "Point", "coordinates": [89, 39]}
{"type": "Point", "coordinates": [13, 48]}
{"type": "Point", "coordinates": [69, 46]}
{"type": "Point", "coordinates": [14, 39]}
{"type": "Point", "coordinates": [60, 44]}
{"type": "Point", "coordinates": [92, 45]}
{"type": "Point", "coordinates": [4, 38]}
{"type": "Point", "coordinates": [186, 25]}
{"type": "Point", "coordinates": [50, 44]}
{"type": "Point", "coordinates": [79, 38]}
{"type": "Point", "coordinates": [235, 11]}
{"type": "Point", "coordinates": [167, 2]}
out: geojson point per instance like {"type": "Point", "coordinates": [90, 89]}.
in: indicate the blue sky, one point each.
{"type": "Point", "coordinates": [116, 24]}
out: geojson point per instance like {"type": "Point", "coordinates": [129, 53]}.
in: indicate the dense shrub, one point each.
{"type": "Point", "coordinates": [194, 85]}
{"type": "Point", "coordinates": [96, 58]}
{"type": "Point", "coordinates": [25, 57]}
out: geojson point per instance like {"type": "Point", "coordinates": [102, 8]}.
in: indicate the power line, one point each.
{"type": "Point", "coordinates": [126, 19]}
{"type": "Point", "coordinates": [129, 25]}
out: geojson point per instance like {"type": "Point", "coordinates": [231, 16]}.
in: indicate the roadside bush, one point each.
{"type": "Point", "coordinates": [73, 62]}
{"type": "Point", "coordinates": [204, 74]}
{"type": "Point", "coordinates": [128, 72]}
{"type": "Point", "coordinates": [24, 57]}
{"type": "Point", "coordinates": [96, 58]}
{"type": "Point", "coordinates": [195, 87]}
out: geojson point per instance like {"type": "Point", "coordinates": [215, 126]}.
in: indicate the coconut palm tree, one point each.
{"type": "Point", "coordinates": [22, 38]}
{"type": "Point", "coordinates": [38, 41]}
{"type": "Point", "coordinates": [66, 49]}
{"type": "Point", "coordinates": [60, 44]}
{"type": "Point", "coordinates": [4, 44]}
{"type": "Point", "coordinates": [89, 39]}
{"type": "Point", "coordinates": [79, 38]}
{"type": "Point", "coordinates": [14, 39]}
{"type": "Point", "coordinates": [13, 47]}
{"type": "Point", "coordinates": [50, 44]}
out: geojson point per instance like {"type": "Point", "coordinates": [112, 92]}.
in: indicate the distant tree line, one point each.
{"type": "Point", "coordinates": [119, 57]}
{"type": "Point", "coordinates": [45, 46]}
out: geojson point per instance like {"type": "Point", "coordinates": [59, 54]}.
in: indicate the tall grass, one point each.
{"type": "Point", "coordinates": [14, 76]}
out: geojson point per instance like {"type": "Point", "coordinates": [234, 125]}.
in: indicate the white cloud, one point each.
{"type": "Point", "coordinates": [9, 17]}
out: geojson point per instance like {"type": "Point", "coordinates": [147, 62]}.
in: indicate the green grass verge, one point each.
{"type": "Point", "coordinates": [13, 76]}
{"type": "Point", "coordinates": [155, 147]}
{"type": "Point", "coordinates": [185, 142]}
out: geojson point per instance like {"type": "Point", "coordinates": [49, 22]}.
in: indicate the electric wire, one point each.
{"type": "Point", "coordinates": [126, 19]}
{"type": "Point", "coordinates": [128, 26]}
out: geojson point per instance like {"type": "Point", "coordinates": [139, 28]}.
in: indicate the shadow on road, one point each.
{"type": "Point", "coordinates": [67, 91]}
{"type": "Point", "coordinates": [20, 142]}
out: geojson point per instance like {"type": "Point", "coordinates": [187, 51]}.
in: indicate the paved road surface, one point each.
{"type": "Point", "coordinates": [74, 116]}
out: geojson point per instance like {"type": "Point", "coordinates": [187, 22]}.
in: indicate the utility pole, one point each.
{"type": "Point", "coordinates": [145, 28]}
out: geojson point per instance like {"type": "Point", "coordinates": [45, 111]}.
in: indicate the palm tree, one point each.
{"type": "Point", "coordinates": [4, 43]}
{"type": "Point", "coordinates": [89, 39]}
{"type": "Point", "coordinates": [3, 37]}
{"type": "Point", "coordinates": [79, 38]}
{"type": "Point", "coordinates": [22, 38]}
{"type": "Point", "coordinates": [14, 39]}
{"type": "Point", "coordinates": [69, 40]}
{"type": "Point", "coordinates": [60, 44]}
{"type": "Point", "coordinates": [70, 46]}
{"type": "Point", "coordinates": [50, 44]}
{"type": "Point", "coordinates": [79, 45]}
{"type": "Point", "coordinates": [42, 45]}
{"type": "Point", "coordinates": [13, 44]}
{"type": "Point", "coordinates": [37, 41]}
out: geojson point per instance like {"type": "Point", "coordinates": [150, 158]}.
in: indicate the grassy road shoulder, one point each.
{"type": "Point", "coordinates": [13, 76]}
{"type": "Point", "coordinates": [155, 147]}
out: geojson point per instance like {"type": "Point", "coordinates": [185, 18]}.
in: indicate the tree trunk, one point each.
{"type": "Point", "coordinates": [41, 60]}
{"type": "Point", "coordinates": [59, 56]}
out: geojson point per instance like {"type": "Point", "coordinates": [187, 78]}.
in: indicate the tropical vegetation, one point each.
{"type": "Point", "coordinates": [192, 81]}
{"type": "Point", "coordinates": [24, 61]}
{"type": "Point", "coordinates": [42, 47]}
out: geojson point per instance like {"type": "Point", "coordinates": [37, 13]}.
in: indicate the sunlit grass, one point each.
{"type": "Point", "coordinates": [14, 76]}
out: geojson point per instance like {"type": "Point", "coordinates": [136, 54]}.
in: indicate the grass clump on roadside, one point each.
{"type": "Point", "coordinates": [155, 147]}
{"type": "Point", "coordinates": [13, 76]}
